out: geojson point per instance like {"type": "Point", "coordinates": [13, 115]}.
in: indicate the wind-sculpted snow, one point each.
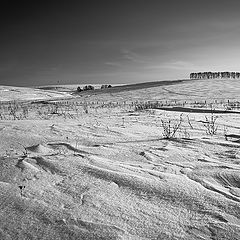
{"type": "Point", "coordinates": [111, 175]}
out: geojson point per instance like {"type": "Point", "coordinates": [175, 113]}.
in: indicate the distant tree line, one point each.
{"type": "Point", "coordinates": [90, 87]}
{"type": "Point", "coordinates": [209, 75]}
{"type": "Point", "coordinates": [85, 88]}
{"type": "Point", "coordinates": [106, 86]}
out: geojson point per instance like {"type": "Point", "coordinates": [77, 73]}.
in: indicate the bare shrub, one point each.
{"type": "Point", "coordinates": [189, 122]}
{"type": "Point", "coordinates": [13, 108]}
{"type": "Point", "coordinates": [85, 107]}
{"type": "Point", "coordinates": [210, 124]}
{"type": "Point", "coordinates": [171, 127]}
{"type": "Point", "coordinates": [225, 132]}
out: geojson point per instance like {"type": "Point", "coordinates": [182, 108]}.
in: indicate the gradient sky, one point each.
{"type": "Point", "coordinates": [116, 41]}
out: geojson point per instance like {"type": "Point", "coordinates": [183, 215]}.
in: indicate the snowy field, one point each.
{"type": "Point", "coordinates": [93, 166]}
{"type": "Point", "coordinates": [9, 93]}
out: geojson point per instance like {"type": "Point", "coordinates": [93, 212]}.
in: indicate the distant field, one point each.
{"type": "Point", "coordinates": [186, 90]}
{"type": "Point", "coordinates": [163, 90]}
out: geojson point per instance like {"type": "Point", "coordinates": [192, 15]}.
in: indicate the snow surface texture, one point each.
{"type": "Point", "coordinates": [110, 174]}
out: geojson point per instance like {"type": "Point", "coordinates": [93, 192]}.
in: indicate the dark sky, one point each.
{"type": "Point", "coordinates": [116, 41]}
